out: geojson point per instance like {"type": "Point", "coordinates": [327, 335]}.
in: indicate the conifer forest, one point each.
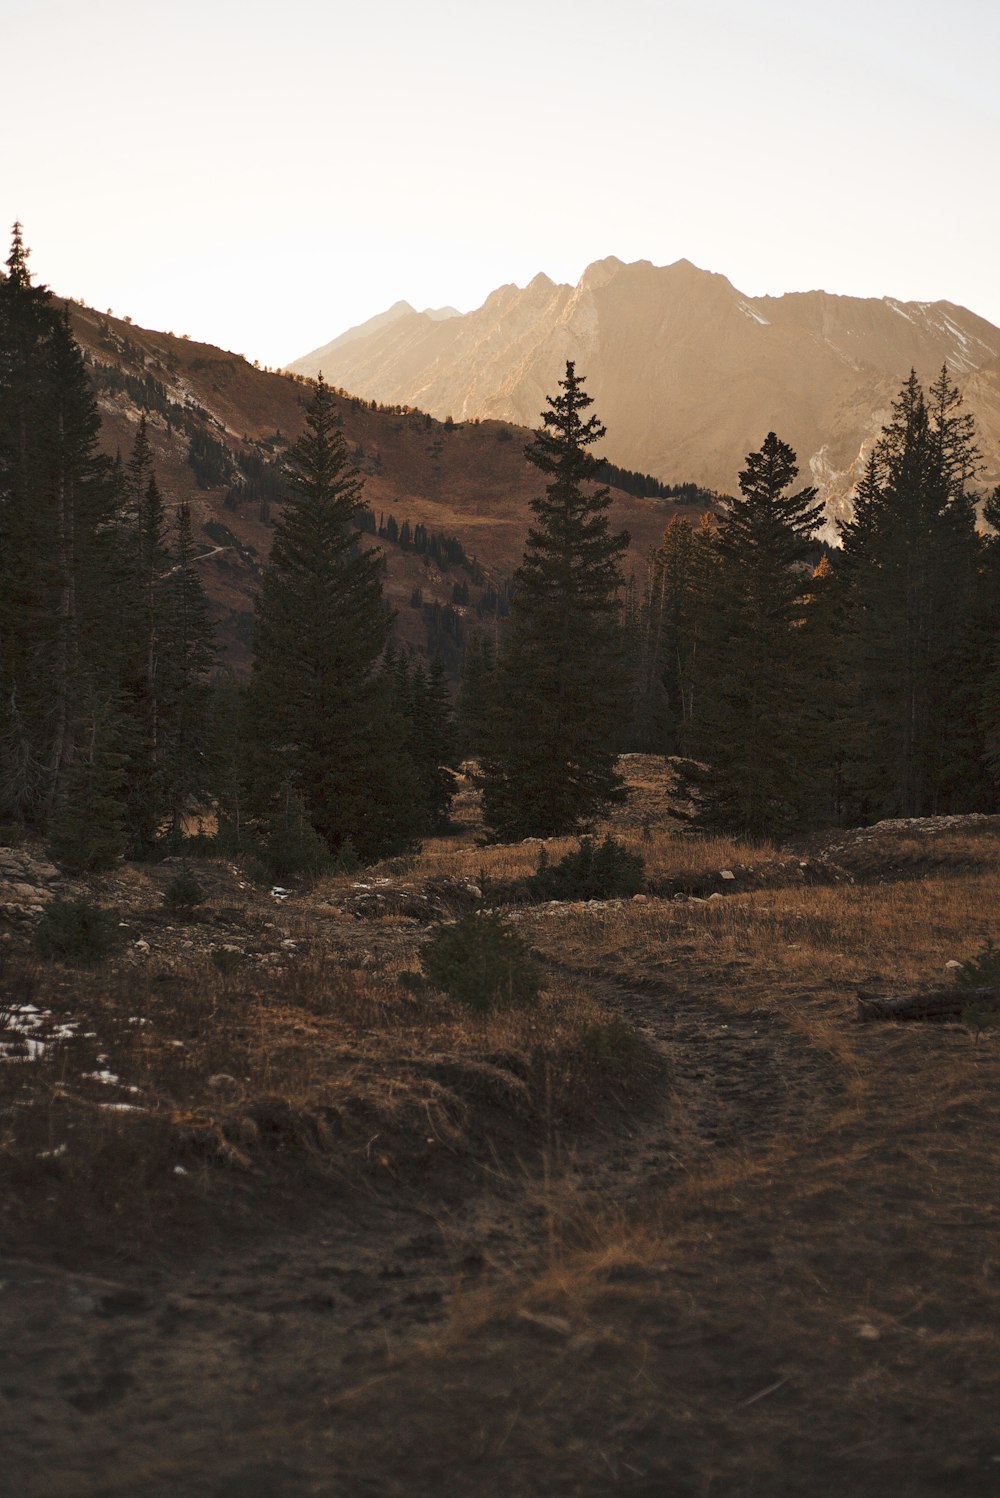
{"type": "Point", "coordinates": [515, 1015]}
{"type": "Point", "coordinates": [803, 685]}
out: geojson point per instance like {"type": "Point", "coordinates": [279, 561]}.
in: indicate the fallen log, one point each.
{"type": "Point", "coordinates": [977, 1006]}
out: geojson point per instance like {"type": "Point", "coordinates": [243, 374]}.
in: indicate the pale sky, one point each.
{"type": "Point", "coordinates": [263, 175]}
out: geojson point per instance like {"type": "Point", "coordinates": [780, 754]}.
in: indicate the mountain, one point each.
{"type": "Point", "coordinates": [319, 357]}
{"type": "Point", "coordinates": [219, 426]}
{"type": "Point", "coordinates": [687, 373]}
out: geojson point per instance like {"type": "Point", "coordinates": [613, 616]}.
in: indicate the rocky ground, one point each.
{"type": "Point", "coordinates": [744, 1246]}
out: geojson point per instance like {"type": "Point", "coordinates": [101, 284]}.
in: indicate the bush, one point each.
{"type": "Point", "coordinates": [482, 963]}
{"type": "Point", "coordinates": [614, 1046]}
{"type": "Point", "coordinates": [606, 871]}
{"type": "Point", "coordinates": [980, 971]}
{"type": "Point", "coordinates": [78, 931]}
{"type": "Point", "coordinates": [183, 894]}
{"type": "Point", "coordinates": [292, 848]}
{"type": "Point", "coordinates": [226, 961]}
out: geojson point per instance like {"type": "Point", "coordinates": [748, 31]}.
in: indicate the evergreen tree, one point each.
{"type": "Point", "coordinates": [752, 680]}
{"type": "Point", "coordinates": [987, 638]}
{"type": "Point", "coordinates": [433, 742]}
{"type": "Point", "coordinates": [561, 688]}
{"type": "Point", "coordinates": [666, 639]}
{"type": "Point", "coordinates": [478, 665]}
{"type": "Point", "coordinates": [146, 569]}
{"type": "Point", "coordinates": [87, 830]}
{"type": "Point", "coordinates": [320, 712]}
{"type": "Point", "coordinates": [187, 654]}
{"type": "Point", "coordinates": [58, 547]}
{"type": "Point", "coordinates": [910, 563]}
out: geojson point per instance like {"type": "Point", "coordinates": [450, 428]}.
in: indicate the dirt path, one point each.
{"type": "Point", "coordinates": [218, 1376]}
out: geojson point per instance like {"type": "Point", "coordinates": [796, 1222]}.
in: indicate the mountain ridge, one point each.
{"type": "Point", "coordinates": [687, 372]}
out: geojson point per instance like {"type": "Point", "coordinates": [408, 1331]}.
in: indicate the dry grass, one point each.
{"type": "Point", "coordinates": [174, 1070]}
{"type": "Point", "coordinates": [823, 1310]}
{"type": "Point", "coordinates": [782, 1279]}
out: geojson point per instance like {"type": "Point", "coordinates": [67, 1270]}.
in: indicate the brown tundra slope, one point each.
{"type": "Point", "coordinates": [469, 480]}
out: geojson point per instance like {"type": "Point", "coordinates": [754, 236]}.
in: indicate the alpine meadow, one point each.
{"type": "Point", "coordinates": [499, 923]}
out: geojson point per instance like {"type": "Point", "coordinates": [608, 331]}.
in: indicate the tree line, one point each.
{"type": "Point", "coordinates": [797, 693]}
{"type": "Point", "coordinates": [116, 722]}
{"type": "Point", "coordinates": [801, 694]}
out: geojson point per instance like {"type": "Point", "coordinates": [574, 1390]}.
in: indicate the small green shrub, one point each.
{"type": "Point", "coordinates": [183, 893]}
{"type": "Point", "coordinates": [603, 871]}
{"type": "Point", "coordinates": [226, 961]}
{"type": "Point", "coordinates": [292, 848]}
{"type": "Point", "coordinates": [78, 931]}
{"type": "Point", "coordinates": [347, 860]}
{"type": "Point", "coordinates": [980, 971]}
{"type": "Point", "coordinates": [482, 963]}
{"type": "Point", "coordinates": [614, 1046]}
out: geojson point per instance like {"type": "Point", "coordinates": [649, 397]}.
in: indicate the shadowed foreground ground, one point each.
{"type": "Point", "coordinates": [754, 1252]}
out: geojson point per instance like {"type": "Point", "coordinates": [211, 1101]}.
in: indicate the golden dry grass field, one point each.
{"type": "Point", "coordinates": [687, 1227]}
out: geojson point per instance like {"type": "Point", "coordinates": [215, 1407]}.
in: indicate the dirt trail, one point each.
{"type": "Point", "coordinates": [216, 1377]}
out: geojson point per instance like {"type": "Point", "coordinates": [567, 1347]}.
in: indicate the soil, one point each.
{"type": "Point", "coordinates": [337, 1357]}
{"type": "Point", "coordinates": [774, 1271]}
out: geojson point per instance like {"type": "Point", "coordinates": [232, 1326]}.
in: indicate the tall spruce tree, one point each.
{"type": "Point", "coordinates": [669, 627]}
{"type": "Point", "coordinates": [478, 664]}
{"type": "Point", "coordinates": [324, 736]}
{"type": "Point", "coordinates": [910, 561]}
{"type": "Point", "coordinates": [186, 649]}
{"type": "Point", "coordinates": [58, 551]}
{"type": "Point", "coordinates": [147, 565]}
{"type": "Point", "coordinates": [560, 694]}
{"type": "Point", "coordinates": [987, 636]}
{"type": "Point", "coordinates": [752, 685]}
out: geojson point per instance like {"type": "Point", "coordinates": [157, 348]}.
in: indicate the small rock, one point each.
{"type": "Point", "coordinates": [952, 964]}
{"type": "Point", "coordinates": [25, 892]}
{"type": "Point", "coordinates": [222, 1081]}
{"type": "Point", "coordinates": [715, 895]}
{"type": "Point", "coordinates": [141, 945]}
{"type": "Point", "coordinates": [640, 897]}
{"type": "Point", "coordinates": [473, 889]}
{"type": "Point", "coordinates": [726, 874]}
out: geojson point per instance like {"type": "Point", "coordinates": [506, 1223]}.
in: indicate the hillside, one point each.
{"type": "Point", "coordinates": [466, 480]}
{"type": "Point", "coordinates": [688, 373]}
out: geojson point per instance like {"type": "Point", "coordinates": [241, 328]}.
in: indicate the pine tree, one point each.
{"type": "Point", "coordinates": [147, 566]}
{"type": "Point", "coordinates": [667, 635]}
{"type": "Point", "coordinates": [478, 665]}
{"type": "Point", "coordinates": [186, 658]}
{"type": "Point", "coordinates": [987, 639]}
{"type": "Point", "coordinates": [433, 741]}
{"type": "Point", "coordinates": [910, 562]}
{"type": "Point", "coordinates": [87, 830]}
{"type": "Point", "coordinates": [58, 547]}
{"type": "Point", "coordinates": [561, 689]}
{"type": "Point", "coordinates": [752, 679]}
{"type": "Point", "coordinates": [320, 713]}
